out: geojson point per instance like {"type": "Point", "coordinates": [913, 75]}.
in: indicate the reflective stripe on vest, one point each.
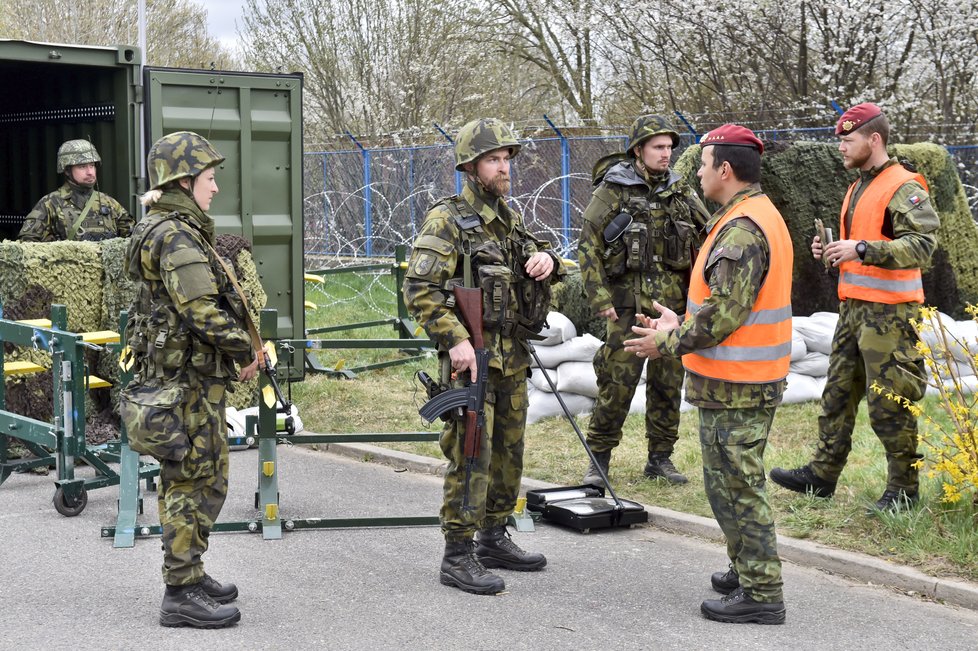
{"type": "Point", "coordinates": [760, 349]}
{"type": "Point", "coordinates": [867, 282]}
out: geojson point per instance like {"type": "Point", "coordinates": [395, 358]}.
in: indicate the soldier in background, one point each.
{"type": "Point", "coordinates": [637, 242]}
{"type": "Point", "coordinates": [476, 240]}
{"type": "Point", "coordinates": [76, 210]}
{"type": "Point", "coordinates": [888, 233]}
{"type": "Point", "coordinates": [186, 333]}
{"type": "Point", "coordinates": [735, 343]}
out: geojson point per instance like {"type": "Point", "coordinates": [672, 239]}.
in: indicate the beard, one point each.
{"type": "Point", "coordinates": [498, 186]}
{"type": "Point", "coordinates": [857, 160]}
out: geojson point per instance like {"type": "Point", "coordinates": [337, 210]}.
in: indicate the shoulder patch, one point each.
{"type": "Point", "coordinates": [435, 243]}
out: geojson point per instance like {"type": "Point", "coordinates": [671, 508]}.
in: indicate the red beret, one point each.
{"type": "Point", "coordinates": [856, 117]}
{"type": "Point", "coordinates": [732, 134]}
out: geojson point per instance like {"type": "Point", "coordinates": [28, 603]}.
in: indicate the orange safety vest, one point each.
{"type": "Point", "coordinates": [760, 349]}
{"type": "Point", "coordinates": [866, 282]}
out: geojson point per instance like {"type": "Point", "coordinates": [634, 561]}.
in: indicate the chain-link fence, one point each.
{"type": "Point", "coordinates": [363, 202]}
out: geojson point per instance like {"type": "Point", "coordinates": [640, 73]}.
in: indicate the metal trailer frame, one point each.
{"type": "Point", "coordinates": [62, 442]}
{"type": "Point", "coordinates": [269, 521]}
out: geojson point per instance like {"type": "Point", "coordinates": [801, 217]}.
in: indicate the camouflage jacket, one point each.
{"type": "Point", "coordinates": [913, 225]}
{"type": "Point", "coordinates": [674, 218]}
{"type": "Point", "coordinates": [55, 215]}
{"type": "Point", "coordinates": [735, 271]}
{"type": "Point", "coordinates": [436, 264]}
{"type": "Point", "coordinates": [185, 324]}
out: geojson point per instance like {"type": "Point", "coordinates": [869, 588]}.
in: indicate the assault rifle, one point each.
{"type": "Point", "coordinates": [472, 396]}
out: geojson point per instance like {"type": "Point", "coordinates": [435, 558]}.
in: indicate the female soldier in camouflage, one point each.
{"type": "Point", "coordinates": [186, 334]}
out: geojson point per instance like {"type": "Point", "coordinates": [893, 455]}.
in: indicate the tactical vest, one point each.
{"type": "Point", "coordinates": [161, 343]}
{"type": "Point", "coordinates": [660, 238]}
{"type": "Point", "coordinates": [868, 282]}
{"type": "Point", "coordinates": [514, 304]}
{"type": "Point", "coordinates": [760, 349]}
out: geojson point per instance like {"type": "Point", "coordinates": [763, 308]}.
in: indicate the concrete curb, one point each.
{"type": "Point", "coordinates": [860, 567]}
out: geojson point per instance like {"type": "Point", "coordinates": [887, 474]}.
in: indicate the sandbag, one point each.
{"type": "Point", "coordinates": [798, 347]}
{"type": "Point", "coordinates": [545, 405]}
{"type": "Point", "coordinates": [558, 330]}
{"type": "Point", "coordinates": [812, 365]}
{"type": "Point", "coordinates": [817, 330]}
{"type": "Point", "coordinates": [579, 378]}
{"type": "Point", "coordinates": [538, 382]}
{"type": "Point", "coordinates": [579, 349]}
{"type": "Point", "coordinates": [801, 388]}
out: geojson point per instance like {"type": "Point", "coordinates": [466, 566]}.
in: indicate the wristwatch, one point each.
{"type": "Point", "coordinates": [861, 249]}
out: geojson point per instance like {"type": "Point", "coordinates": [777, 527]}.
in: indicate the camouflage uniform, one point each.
{"type": "Point", "coordinates": [735, 418]}
{"type": "Point", "coordinates": [76, 212]}
{"type": "Point", "coordinates": [498, 240]}
{"type": "Point", "coordinates": [673, 217]}
{"type": "Point", "coordinates": [874, 342]}
{"type": "Point", "coordinates": [186, 334]}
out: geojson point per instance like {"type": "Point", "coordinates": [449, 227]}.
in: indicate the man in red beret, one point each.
{"type": "Point", "coordinates": [735, 343]}
{"type": "Point", "coordinates": [888, 233]}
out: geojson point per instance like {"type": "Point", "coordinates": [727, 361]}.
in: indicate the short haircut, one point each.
{"type": "Point", "coordinates": [879, 125]}
{"type": "Point", "coordinates": [744, 161]}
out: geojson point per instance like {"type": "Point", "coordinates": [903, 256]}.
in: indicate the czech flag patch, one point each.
{"type": "Point", "coordinates": [914, 200]}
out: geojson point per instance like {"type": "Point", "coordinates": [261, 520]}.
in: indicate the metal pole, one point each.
{"type": "Point", "coordinates": [367, 197]}
{"type": "Point", "coordinates": [564, 182]}
{"type": "Point", "coordinates": [689, 126]}
{"type": "Point", "coordinates": [325, 210]}
{"type": "Point", "coordinates": [838, 109]}
{"type": "Point", "coordinates": [458, 175]}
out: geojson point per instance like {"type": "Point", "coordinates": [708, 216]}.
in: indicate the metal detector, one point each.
{"type": "Point", "coordinates": [583, 507]}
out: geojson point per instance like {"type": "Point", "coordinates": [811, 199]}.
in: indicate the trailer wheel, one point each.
{"type": "Point", "coordinates": [70, 507]}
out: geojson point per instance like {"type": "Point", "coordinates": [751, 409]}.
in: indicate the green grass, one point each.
{"type": "Point", "coordinates": [938, 539]}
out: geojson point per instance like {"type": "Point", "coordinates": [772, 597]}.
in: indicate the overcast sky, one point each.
{"type": "Point", "coordinates": [221, 16]}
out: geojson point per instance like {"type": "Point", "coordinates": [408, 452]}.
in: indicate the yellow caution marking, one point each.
{"type": "Point", "coordinates": [21, 368]}
{"type": "Point", "coordinates": [37, 323]}
{"type": "Point", "coordinates": [95, 382]}
{"type": "Point", "coordinates": [100, 337]}
{"type": "Point", "coordinates": [339, 364]}
{"type": "Point", "coordinates": [126, 359]}
{"type": "Point", "coordinates": [268, 397]}
{"type": "Point", "coordinates": [268, 468]}
{"type": "Point", "coordinates": [309, 305]}
{"type": "Point", "coordinates": [313, 278]}
{"type": "Point", "coordinates": [418, 331]}
{"type": "Point", "coordinates": [271, 511]}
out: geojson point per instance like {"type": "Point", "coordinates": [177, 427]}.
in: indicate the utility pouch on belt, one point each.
{"type": "Point", "coordinates": [534, 301]}
{"type": "Point", "coordinates": [678, 238]}
{"type": "Point", "coordinates": [636, 244]}
{"type": "Point", "coordinates": [153, 415]}
{"type": "Point", "coordinates": [496, 281]}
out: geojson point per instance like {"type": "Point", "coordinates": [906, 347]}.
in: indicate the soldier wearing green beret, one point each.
{"type": "Point", "coordinates": [76, 210]}
{"type": "Point", "coordinates": [639, 232]}
{"type": "Point", "coordinates": [476, 240]}
{"type": "Point", "coordinates": [187, 336]}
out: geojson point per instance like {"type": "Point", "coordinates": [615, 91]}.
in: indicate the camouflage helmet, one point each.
{"type": "Point", "coordinates": [647, 126]}
{"type": "Point", "coordinates": [179, 155]}
{"type": "Point", "coordinates": [480, 137]}
{"type": "Point", "coordinates": [76, 152]}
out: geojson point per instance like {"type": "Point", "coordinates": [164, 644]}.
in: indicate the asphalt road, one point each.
{"type": "Point", "coordinates": [62, 586]}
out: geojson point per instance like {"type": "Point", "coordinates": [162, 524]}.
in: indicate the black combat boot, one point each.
{"type": "Point", "coordinates": [660, 465]}
{"type": "Point", "coordinates": [497, 549]}
{"type": "Point", "coordinates": [593, 476]}
{"type": "Point", "coordinates": [222, 593]}
{"type": "Point", "coordinates": [803, 480]}
{"type": "Point", "coordinates": [725, 582]}
{"type": "Point", "coordinates": [189, 605]}
{"type": "Point", "coordinates": [738, 608]}
{"type": "Point", "coordinates": [461, 568]}
{"type": "Point", "coordinates": [895, 500]}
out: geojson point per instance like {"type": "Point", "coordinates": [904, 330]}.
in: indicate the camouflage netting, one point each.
{"type": "Point", "coordinates": [806, 180]}
{"type": "Point", "coordinates": [88, 277]}
{"type": "Point", "coordinates": [570, 300]}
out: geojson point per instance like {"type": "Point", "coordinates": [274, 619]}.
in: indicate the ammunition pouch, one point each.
{"type": "Point", "coordinates": [636, 247]}
{"type": "Point", "coordinates": [152, 413]}
{"type": "Point", "coordinates": [678, 239]}
{"type": "Point", "coordinates": [496, 281]}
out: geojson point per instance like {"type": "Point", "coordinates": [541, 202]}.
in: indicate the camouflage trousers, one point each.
{"type": "Point", "coordinates": [874, 342]}
{"type": "Point", "coordinates": [619, 373]}
{"type": "Point", "coordinates": [733, 442]}
{"type": "Point", "coordinates": [192, 491]}
{"type": "Point", "coordinates": [495, 481]}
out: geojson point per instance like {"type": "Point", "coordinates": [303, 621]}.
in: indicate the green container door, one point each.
{"type": "Point", "coordinates": [255, 121]}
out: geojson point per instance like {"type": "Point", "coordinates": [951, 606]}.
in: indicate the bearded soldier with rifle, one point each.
{"type": "Point", "coordinates": [475, 240]}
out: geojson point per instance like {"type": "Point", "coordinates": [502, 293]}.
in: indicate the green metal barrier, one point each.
{"type": "Point", "coordinates": [61, 443]}
{"type": "Point", "coordinates": [402, 324]}
{"type": "Point", "coordinates": [269, 521]}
